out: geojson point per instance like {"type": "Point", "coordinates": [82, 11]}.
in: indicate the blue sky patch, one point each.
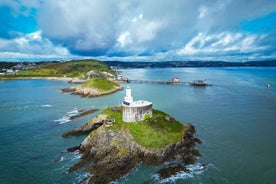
{"type": "Point", "coordinates": [263, 25]}
{"type": "Point", "coordinates": [12, 24]}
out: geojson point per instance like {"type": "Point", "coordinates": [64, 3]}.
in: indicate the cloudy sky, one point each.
{"type": "Point", "coordinates": [138, 30]}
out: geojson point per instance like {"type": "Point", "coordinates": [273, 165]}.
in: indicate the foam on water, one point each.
{"type": "Point", "coordinates": [69, 159]}
{"type": "Point", "coordinates": [73, 112]}
{"type": "Point", "coordinates": [46, 105]}
{"type": "Point", "coordinates": [194, 169]}
{"type": "Point", "coordinates": [82, 178]}
{"type": "Point", "coordinates": [65, 160]}
{"type": "Point", "coordinates": [63, 120]}
{"type": "Point", "coordinates": [67, 116]}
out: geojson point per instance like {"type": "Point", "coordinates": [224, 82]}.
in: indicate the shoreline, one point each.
{"type": "Point", "coordinates": [36, 78]}
{"type": "Point", "coordinates": [88, 92]}
{"type": "Point", "coordinates": [65, 79]}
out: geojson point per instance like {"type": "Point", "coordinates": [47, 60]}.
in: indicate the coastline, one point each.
{"type": "Point", "coordinates": [67, 79]}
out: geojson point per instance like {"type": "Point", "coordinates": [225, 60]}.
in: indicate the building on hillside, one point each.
{"type": "Point", "coordinates": [175, 79]}
{"type": "Point", "coordinates": [133, 111]}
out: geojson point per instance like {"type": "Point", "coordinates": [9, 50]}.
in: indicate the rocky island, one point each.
{"type": "Point", "coordinates": [94, 87]}
{"type": "Point", "coordinates": [114, 147]}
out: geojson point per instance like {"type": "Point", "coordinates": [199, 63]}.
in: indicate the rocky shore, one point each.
{"type": "Point", "coordinates": [88, 92]}
{"type": "Point", "coordinates": [110, 153]}
{"type": "Point", "coordinates": [94, 87]}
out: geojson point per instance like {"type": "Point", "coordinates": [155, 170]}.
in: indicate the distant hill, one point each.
{"type": "Point", "coordinates": [75, 68]}
{"type": "Point", "coordinates": [179, 64]}
{"type": "Point", "coordinates": [83, 68]}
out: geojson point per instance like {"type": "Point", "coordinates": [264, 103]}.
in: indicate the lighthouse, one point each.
{"type": "Point", "coordinates": [134, 111]}
{"type": "Point", "coordinates": [128, 98]}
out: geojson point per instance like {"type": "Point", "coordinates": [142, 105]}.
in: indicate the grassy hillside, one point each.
{"type": "Point", "coordinates": [75, 68]}
{"type": "Point", "coordinates": [101, 84]}
{"type": "Point", "coordinates": [153, 133]}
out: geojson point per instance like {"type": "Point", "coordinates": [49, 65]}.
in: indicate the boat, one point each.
{"type": "Point", "coordinates": [200, 83]}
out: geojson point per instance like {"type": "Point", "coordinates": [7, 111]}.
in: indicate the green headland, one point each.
{"type": "Point", "coordinates": [71, 69]}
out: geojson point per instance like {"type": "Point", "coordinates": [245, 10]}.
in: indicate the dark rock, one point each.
{"type": "Point", "coordinates": [73, 149]}
{"type": "Point", "coordinates": [172, 170]}
{"type": "Point", "coordinates": [86, 128]}
{"type": "Point", "coordinates": [83, 113]}
{"type": "Point", "coordinates": [79, 165]}
{"type": "Point", "coordinates": [67, 90]}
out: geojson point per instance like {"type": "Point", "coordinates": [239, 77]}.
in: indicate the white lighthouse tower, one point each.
{"type": "Point", "coordinates": [133, 111]}
{"type": "Point", "coordinates": [128, 98]}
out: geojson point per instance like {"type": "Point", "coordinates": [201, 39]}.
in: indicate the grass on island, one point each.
{"type": "Point", "coordinates": [75, 68]}
{"type": "Point", "coordinates": [153, 133]}
{"type": "Point", "coordinates": [103, 85]}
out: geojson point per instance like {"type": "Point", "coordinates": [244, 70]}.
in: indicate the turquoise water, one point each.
{"type": "Point", "coordinates": [235, 119]}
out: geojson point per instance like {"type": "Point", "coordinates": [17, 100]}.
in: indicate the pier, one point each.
{"type": "Point", "coordinates": [159, 82]}
{"type": "Point", "coordinates": [174, 81]}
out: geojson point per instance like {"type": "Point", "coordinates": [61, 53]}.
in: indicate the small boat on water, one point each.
{"type": "Point", "coordinates": [268, 85]}
{"type": "Point", "coordinates": [200, 83]}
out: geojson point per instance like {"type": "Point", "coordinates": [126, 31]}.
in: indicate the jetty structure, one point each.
{"type": "Point", "coordinates": [134, 111]}
{"type": "Point", "coordinates": [174, 80]}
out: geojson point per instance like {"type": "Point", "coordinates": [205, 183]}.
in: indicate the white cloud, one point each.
{"type": "Point", "coordinates": [163, 29]}
{"type": "Point", "coordinates": [31, 45]}
{"type": "Point", "coordinates": [223, 43]}
{"type": "Point", "coordinates": [148, 30]}
{"type": "Point", "coordinates": [135, 19]}
{"type": "Point", "coordinates": [124, 39]}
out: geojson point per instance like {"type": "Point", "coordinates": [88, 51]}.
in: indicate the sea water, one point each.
{"type": "Point", "coordinates": [235, 119]}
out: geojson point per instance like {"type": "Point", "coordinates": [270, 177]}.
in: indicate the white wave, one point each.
{"type": "Point", "coordinates": [73, 112]}
{"type": "Point", "coordinates": [194, 169]}
{"type": "Point", "coordinates": [61, 159]}
{"type": "Point", "coordinates": [46, 105]}
{"type": "Point", "coordinates": [76, 156]}
{"type": "Point", "coordinates": [63, 120]}
{"type": "Point", "coordinates": [83, 177]}
{"type": "Point", "coordinates": [67, 116]}
{"type": "Point", "coordinates": [60, 168]}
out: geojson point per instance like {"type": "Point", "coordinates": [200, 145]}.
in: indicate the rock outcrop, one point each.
{"type": "Point", "coordinates": [86, 128]}
{"type": "Point", "coordinates": [88, 92]}
{"type": "Point", "coordinates": [111, 153]}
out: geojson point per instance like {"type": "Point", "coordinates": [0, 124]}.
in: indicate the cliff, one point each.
{"type": "Point", "coordinates": [111, 151]}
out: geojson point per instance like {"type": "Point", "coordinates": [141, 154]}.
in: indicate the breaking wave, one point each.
{"type": "Point", "coordinates": [63, 120]}
{"type": "Point", "coordinates": [194, 170]}
{"type": "Point", "coordinates": [46, 105]}
{"type": "Point", "coordinates": [65, 160]}
{"type": "Point", "coordinates": [67, 116]}
{"type": "Point", "coordinates": [82, 178]}
{"type": "Point", "coordinates": [73, 112]}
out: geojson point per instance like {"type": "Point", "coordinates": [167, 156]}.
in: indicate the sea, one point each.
{"type": "Point", "coordinates": [235, 119]}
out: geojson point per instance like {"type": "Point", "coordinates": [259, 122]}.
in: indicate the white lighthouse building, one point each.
{"type": "Point", "coordinates": [133, 111]}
